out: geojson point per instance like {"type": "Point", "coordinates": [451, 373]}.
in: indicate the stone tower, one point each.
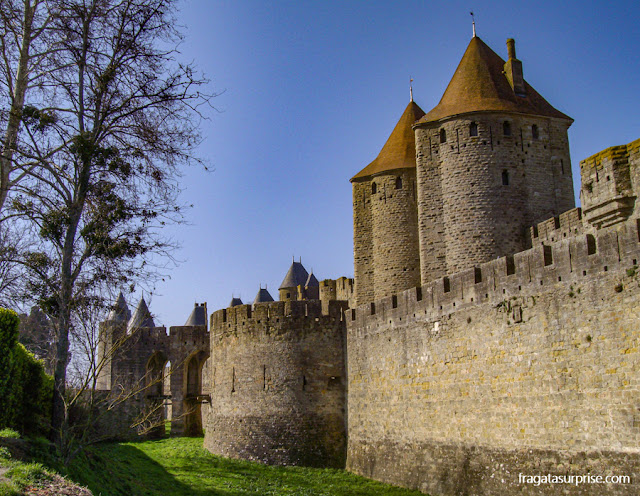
{"type": "Point", "coordinates": [492, 160]}
{"type": "Point", "coordinates": [386, 255]}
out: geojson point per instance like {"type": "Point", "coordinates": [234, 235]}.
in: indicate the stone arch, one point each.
{"type": "Point", "coordinates": [154, 414]}
{"type": "Point", "coordinates": [193, 393]}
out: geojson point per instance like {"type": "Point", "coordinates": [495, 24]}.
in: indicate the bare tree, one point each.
{"type": "Point", "coordinates": [110, 146]}
{"type": "Point", "coordinates": [26, 44]}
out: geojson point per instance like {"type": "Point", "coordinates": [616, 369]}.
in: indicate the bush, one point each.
{"type": "Point", "coordinates": [25, 389]}
{"type": "Point", "coordinates": [9, 322]}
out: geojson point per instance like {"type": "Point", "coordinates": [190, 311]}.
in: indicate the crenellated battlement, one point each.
{"type": "Point", "coordinates": [568, 260]}
{"type": "Point", "coordinates": [565, 225]}
{"type": "Point", "coordinates": [263, 317]}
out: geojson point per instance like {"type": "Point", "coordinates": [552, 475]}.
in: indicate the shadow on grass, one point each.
{"type": "Point", "coordinates": [181, 466]}
{"type": "Point", "coordinates": [126, 470]}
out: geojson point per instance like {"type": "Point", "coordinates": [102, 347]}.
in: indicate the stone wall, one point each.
{"type": "Point", "coordinates": [493, 185]}
{"type": "Point", "coordinates": [396, 259]}
{"type": "Point", "coordinates": [278, 383]}
{"type": "Point", "coordinates": [362, 242]}
{"type": "Point", "coordinates": [522, 365]}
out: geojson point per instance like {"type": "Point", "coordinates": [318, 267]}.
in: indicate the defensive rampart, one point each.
{"type": "Point", "coordinates": [526, 364]}
{"type": "Point", "coordinates": [278, 383]}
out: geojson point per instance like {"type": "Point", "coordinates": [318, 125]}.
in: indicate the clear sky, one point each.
{"type": "Point", "coordinates": [312, 89]}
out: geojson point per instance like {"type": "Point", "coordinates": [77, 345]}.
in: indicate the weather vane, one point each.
{"type": "Point", "coordinates": [410, 89]}
{"type": "Point", "coordinates": [473, 23]}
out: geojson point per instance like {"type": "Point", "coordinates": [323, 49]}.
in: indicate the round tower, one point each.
{"type": "Point", "coordinates": [493, 159]}
{"type": "Point", "coordinates": [386, 254]}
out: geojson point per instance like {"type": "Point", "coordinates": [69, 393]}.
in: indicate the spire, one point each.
{"type": "Point", "coordinates": [296, 276]}
{"type": "Point", "coordinates": [480, 85]}
{"type": "Point", "coordinates": [473, 23]}
{"type": "Point", "coordinates": [198, 316]}
{"type": "Point", "coordinates": [312, 281]}
{"type": "Point", "coordinates": [399, 152]}
{"type": "Point", "coordinates": [410, 89]}
{"type": "Point", "coordinates": [262, 296]}
{"type": "Point", "coordinates": [119, 311]}
{"type": "Point", "coordinates": [235, 302]}
{"type": "Point", "coordinates": [141, 317]}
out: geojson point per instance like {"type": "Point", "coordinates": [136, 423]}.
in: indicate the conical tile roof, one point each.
{"type": "Point", "coordinates": [296, 276]}
{"type": "Point", "coordinates": [312, 281]}
{"type": "Point", "coordinates": [235, 302]}
{"type": "Point", "coordinates": [119, 311]}
{"type": "Point", "coordinates": [262, 296]}
{"type": "Point", "coordinates": [198, 316]}
{"type": "Point", "coordinates": [141, 316]}
{"type": "Point", "coordinates": [399, 152]}
{"type": "Point", "coordinates": [480, 85]}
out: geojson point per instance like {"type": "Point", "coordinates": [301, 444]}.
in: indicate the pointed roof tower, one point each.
{"type": "Point", "coordinates": [312, 281]}
{"type": "Point", "coordinates": [484, 82]}
{"type": "Point", "coordinates": [296, 276]}
{"type": "Point", "coordinates": [399, 152]}
{"type": "Point", "coordinates": [235, 302]}
{"type": "Point", "coordinates": [198, 316]}
{"type": "Point", "coordinates": [141, 316]}
{"type": "Point", "coordinates": [119, 311]}
{"type": "Point", "coordinates": [262, 296]}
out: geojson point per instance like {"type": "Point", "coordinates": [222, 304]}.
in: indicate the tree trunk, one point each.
{"type": "Point", "coordinates": [17, 104]}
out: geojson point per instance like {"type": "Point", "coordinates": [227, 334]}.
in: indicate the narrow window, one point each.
{"type": "Point", "coordinates": [547, 254]}
{"type": "Point", "coordinates": [473, 129]}
{"type": "Point", "coordinates": [562, 166]}
{"type": "Point", "coordinates": [591, 244]}
{"type": "Point", "coordinates": [374, 188]}
{"type": "Point", "coordinates": [505, 178]}
{"type": "Point", "coordinates": [443, 136]}
{"type": "Point", "coordinates": [398, 183]}
{"type": "Point", "coordinates": [506, 128]}
{"type": "Point", "coordinates": [534, 132]}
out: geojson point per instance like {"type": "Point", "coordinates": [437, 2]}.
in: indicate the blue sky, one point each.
{"type": "Point", "coordinates": [312, 89]}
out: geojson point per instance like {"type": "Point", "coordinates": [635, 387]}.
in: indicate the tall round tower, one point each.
{"type": "Point", "coordinates": [492, 159]}
{"type": "Point", "coordinates": [386, 256]}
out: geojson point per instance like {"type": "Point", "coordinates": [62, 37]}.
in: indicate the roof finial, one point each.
{"type": "Point", "coordinates": [410, 89]}
{"type": "Point", "coordinates": [473, 23]}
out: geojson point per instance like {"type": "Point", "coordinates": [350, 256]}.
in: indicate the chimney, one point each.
{"type": "Point", "coordinates": [513, 69]}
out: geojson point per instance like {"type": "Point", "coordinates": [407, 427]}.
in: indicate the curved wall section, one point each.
{"type": "Point", "coordinates": [396, 257]}
{"type": "Point", "coordinates": [497, 179]}
{"type": "Point", "coordinates": [278, 385]}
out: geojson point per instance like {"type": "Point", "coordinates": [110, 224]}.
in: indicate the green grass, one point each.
{"type": "Point", "coordinates": [16, 474]}
{"type": "Point", "coordinates": [180, 466]}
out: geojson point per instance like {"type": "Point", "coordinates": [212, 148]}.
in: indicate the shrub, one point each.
{"type": "Point", "coordinates": [9, 322]}
{"type": "Point", "coordinates": [25, 389]}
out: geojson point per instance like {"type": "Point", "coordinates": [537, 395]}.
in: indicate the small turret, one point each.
{"type": "Point", "coordinates": [198, 316]}
{"type": "Point", "coordinates": [235, 302]}
{"type": "Point", "coordinates": [312, 287]}
{"type": "Point", "coordinates": [141, 317]}
{"type": "Point", "coordinates": [296, 276]}
{"type": "Point", "coordinates": [119, 311]}
{"type": "Point", "coordinates": [263, 296]}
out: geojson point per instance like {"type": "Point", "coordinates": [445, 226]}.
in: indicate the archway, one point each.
{"type": "Point", "coordinates": [193, 395]}
{"type": "Point", "coordinates": [154, 412]}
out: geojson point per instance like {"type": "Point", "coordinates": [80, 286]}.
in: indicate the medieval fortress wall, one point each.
{"type": "Point", "coordinates": [492, 329]}
{"type": "Point", "coordinates": [525, 366]}
{"type": "Point", "coordinates": [278, 383]}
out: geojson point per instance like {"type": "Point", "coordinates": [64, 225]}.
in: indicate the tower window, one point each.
{"type": "Point", "coordinates": [398, 183]}
{"type": "Point", "coordinates": [473, 129]}
{"type": "Point", "coordinates": [506, 128]}
{"type": "Point", "coordinates": [374, 188]}
{"type": "Point", "coordinates": [534, 132]}
{"type": "Point", "coordinates": [443, 136]}
{"type": "Point", "coordinates": [505, 178]}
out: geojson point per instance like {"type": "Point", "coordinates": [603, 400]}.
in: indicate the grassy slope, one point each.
{"type": "Point", "coordinates": [182, 467]}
